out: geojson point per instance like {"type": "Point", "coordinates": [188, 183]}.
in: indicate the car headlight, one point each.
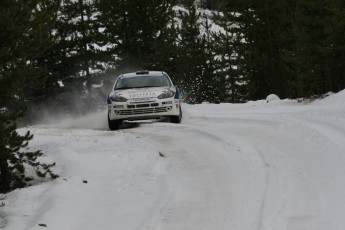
{"type": "Point", "coordinates": [166, 94]}
{"type": "Point", "coordinates": [117, 98]}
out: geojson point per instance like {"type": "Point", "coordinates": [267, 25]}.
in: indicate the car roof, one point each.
{"type": "Point", "coordinates": [144, 73]}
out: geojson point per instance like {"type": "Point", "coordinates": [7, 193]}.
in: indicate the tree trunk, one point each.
{"type": "Point", "coordinates": [5, 175]}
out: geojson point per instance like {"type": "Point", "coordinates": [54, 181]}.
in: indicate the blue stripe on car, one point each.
{"type": "Point", "coordinates": [177, 94]}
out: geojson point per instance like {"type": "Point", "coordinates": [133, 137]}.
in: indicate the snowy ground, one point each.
{"type": "Point", "coordinates": [263, 166]}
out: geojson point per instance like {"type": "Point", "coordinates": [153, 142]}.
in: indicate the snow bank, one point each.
{"type": "Point", "coordinates": [332, 99]}
{"type": "Point", "coordinates": [107, 177]}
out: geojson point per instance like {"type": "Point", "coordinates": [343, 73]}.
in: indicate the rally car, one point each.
{"type": "Point", "coordinates": [143, 95]}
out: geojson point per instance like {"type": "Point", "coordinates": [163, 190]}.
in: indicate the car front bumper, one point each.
{"type": "Point", "coordinates": [137, 110]}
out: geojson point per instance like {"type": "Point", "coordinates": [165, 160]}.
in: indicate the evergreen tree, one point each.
{"type": "Point", "coordinates": [75, 61]}
{"type": "Point", "coordinates": [133, 28]}
{"type": "Point", "coordinates": [335, 50]}
{"type": "Point", "coordinates": [305, 55]}
{"type": "Point", "coordinates": [195, 62]}
{"type": "Point", "coordinates": [211, 89]}
{"type": "Point", "coordinates": [291, 48]}
{"type": "Point", "coordinates": [75, 58]}
{"type": "Point", "coordinates": [268, 38]}
{"type": "Point", "coordinates": [165, 50]}
{"type": "Point", "coordinates": [231, 81]}
{"type": "Point", "coordinates": [24, 34]}
{"type": "Point", "coordinates": [265, 38]}
{"type": "Point", "coordinates": [318, 47]}
{"type": "Point", "coordinates": [210, 4]}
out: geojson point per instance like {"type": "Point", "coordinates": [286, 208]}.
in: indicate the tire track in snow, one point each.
{"type": "Point", "coordinates": [205, 192]}
{"type": "Point", "coordinates": [305, 167]}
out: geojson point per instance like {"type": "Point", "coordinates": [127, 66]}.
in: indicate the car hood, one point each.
{"type": "Point", "coordinates": [150, 92]}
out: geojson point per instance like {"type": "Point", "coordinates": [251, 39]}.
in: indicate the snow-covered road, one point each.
{"type": "Point", "coordinates": [254, 166]}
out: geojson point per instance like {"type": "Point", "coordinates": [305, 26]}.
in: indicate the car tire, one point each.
{"type": "Point", "coordinates": [176, 119]}
{"type": "Point", "coordinates": [114, 124]}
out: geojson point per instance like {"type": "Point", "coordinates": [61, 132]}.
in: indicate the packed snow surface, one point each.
{"type": "Point", "coordinates": [264, 166]}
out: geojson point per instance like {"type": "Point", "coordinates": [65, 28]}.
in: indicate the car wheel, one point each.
{"type": "Point", "coordinates": [176, 119]}
{"type": "Point", "coordinates": [114, 124]}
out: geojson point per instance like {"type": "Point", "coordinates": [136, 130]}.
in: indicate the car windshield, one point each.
{"type": "Point", "coordinates": [142, 82]}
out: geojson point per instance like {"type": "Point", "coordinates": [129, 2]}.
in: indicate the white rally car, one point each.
{"type": "Point", "coordinates": [143, 95]}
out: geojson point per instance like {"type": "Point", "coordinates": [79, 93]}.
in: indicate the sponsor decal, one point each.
{"type": "Point", "coordinates": [142, 94]}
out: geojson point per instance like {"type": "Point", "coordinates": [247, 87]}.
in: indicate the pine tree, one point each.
{"type": "Point", "coordinates": [228, 42]}
{"type": "Point", "coordinates": [75, 56]}
{"type": "Point", "coordinates": [24, 35]}
{"type": "Point", "coordinates": [133, 28]}
{"type": "Point", "coordinates": [166, 50]}
{"type": "Point", "coordinates": [335, 50]}
{"type": "Point", "coordinates": [195, 60]}
{"type": "Point", "coordinates": [211, 89]}
{"type": "Point", "coordinates": [74, 62]}
{"type": "Point", "coordinates": [210, 4]}
{"type": "Point", "coordinates": [309, 54]}
{"type": "Point", "coordinates": [291, 48]}
{"type": "Point", "coordinates": [265, 30]}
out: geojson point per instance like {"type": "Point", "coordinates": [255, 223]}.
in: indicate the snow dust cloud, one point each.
{"type": "Point", "coordinates": [70, 110]}
{"type": "Point", "coordinates": [95, 120]}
